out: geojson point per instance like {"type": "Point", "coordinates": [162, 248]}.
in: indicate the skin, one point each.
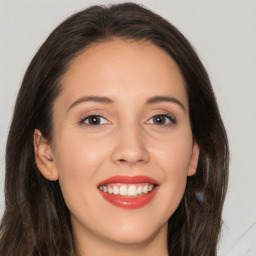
{"type": "Point", "coordinates": [126, 142]}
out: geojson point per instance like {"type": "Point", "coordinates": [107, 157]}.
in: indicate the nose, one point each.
{"type": "Point", "coordinates": [130, 147]}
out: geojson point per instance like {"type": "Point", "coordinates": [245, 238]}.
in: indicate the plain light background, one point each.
{"type": "Point", "coordinates": [224, 35]}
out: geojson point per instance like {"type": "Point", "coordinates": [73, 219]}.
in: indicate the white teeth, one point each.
{"type": "Point", "coordinates": [115, 190]}
{"type": "Point", "coordinates": [132, 191]}
{"type": "Point", "coordinates": [110, 190]}
{"type": "Point", "coordinates": [123, 190]}
{"type": "Point", "coordinates": [139, 190]}
{"type": "Point", "coordinates": [127, 189]}
{"type": "Point", "coordinates": [145, 189]}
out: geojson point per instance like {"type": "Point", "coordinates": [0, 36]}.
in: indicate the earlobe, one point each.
{"type": "Point", "coordinates": [194, 159]}
{"type": "Point", "coordinates": [44, 157]}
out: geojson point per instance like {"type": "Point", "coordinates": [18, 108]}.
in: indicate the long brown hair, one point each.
{"type": "Point", "coordinates": [36, 220]}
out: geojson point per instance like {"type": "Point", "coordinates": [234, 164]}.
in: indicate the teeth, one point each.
{"type": "Point", "coordinates": [140, 190]}
{"type": "Point", "coordinates": [123, 190]}
{"type": "Point", "coordinates": [115, 190]}
{"type": "Point", "coordinates": [110, 190]}
{"type": "Point", "coordinates": [145, 189]}
{"type": "Point", "coordinates": [132, 191]}
{"type": "Point", "coordinates": [127, 189]}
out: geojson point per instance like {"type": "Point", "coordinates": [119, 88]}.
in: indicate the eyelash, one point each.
{"type": "Point", "coordinates": [166, 116]}
{"type": "Point", "coordinates": [83, 120]}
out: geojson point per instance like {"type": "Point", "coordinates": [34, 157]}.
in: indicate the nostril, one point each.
{"type": "Point", "coordinates": [126, 155]}
{"type": "Point", "coordinates": [124, 160]}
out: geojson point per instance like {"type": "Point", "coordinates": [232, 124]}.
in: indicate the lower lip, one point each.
{"type": "Point", "coordinates": [130, 202]}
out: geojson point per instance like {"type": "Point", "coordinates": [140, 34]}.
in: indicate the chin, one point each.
{"type": "Point", "coordinates": [139, 234]}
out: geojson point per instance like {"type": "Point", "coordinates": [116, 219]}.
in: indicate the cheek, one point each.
{"type": "Point", "coordinates": [173, 158]}
{"type": "Point", "coordinates": [174, 153]}
{"type": "Point", "coordinates": [77, 162]}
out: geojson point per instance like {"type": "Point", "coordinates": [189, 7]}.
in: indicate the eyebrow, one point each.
{"type": "Point", "coordinates": [159, 99]}
{"type": "Point", "coordinates": [153, 100]}
{"type": "Point", "coordinates": [91, 99]}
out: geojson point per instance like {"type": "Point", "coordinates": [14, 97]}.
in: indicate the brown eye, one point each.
{"type": "Point", "coordinates": [159, 119]}
{"type": "Point", "coordinates": [162, 120]}
{"type": "Point", "coordinates": [94, 120]}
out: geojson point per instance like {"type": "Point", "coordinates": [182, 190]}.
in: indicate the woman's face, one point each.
{"type": "Point", "coordinates": [123, 146]}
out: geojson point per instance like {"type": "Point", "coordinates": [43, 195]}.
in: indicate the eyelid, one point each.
{"type": "Point", "coordinates": [82, 120]}
{"type": "Point", "coordinates": [163, 112]}
{"type": "Point", "coordinates": [171, 118]}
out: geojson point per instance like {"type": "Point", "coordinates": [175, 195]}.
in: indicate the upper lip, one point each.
{"type": "Point", "coordinates": [129, 180]}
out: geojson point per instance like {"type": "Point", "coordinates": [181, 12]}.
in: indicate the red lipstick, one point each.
{"type": "Point", "coordinates": [144, 190]}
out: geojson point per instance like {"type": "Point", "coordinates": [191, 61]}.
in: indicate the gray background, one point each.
{"type": "Point", "coordinates": [224, 35]}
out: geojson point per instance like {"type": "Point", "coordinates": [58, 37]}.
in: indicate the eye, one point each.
{"type": "Point", "coordinates": [162, 120]}
{"type": "Point", "coordinates": [93, 120]}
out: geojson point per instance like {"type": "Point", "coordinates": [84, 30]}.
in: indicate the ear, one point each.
{"type": "Point", "coordinates": [194, 159]}
{"type": "Point", "coordinates": [44, 157]}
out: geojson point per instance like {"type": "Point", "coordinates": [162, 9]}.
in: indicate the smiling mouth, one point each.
{"type": "Point", "coordinates": [127, 189]}
{"type": "Point", "coordinates": [128, 192]}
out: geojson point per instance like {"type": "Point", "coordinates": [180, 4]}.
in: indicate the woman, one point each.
{"type": "Point", "coordinates": [116, 146]}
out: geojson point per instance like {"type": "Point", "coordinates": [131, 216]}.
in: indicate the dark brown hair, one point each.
{"type": "Point", "coordinates": [36, 220]}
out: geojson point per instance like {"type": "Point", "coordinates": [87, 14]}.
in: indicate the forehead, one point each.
{"type": "Point", "coordinates": [123, 66]}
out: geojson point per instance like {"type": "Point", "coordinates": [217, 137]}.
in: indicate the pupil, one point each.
{"type": "Point", "coordinates": [94, 120]}
{"type": "Point", "coordinates": [159, 120]}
